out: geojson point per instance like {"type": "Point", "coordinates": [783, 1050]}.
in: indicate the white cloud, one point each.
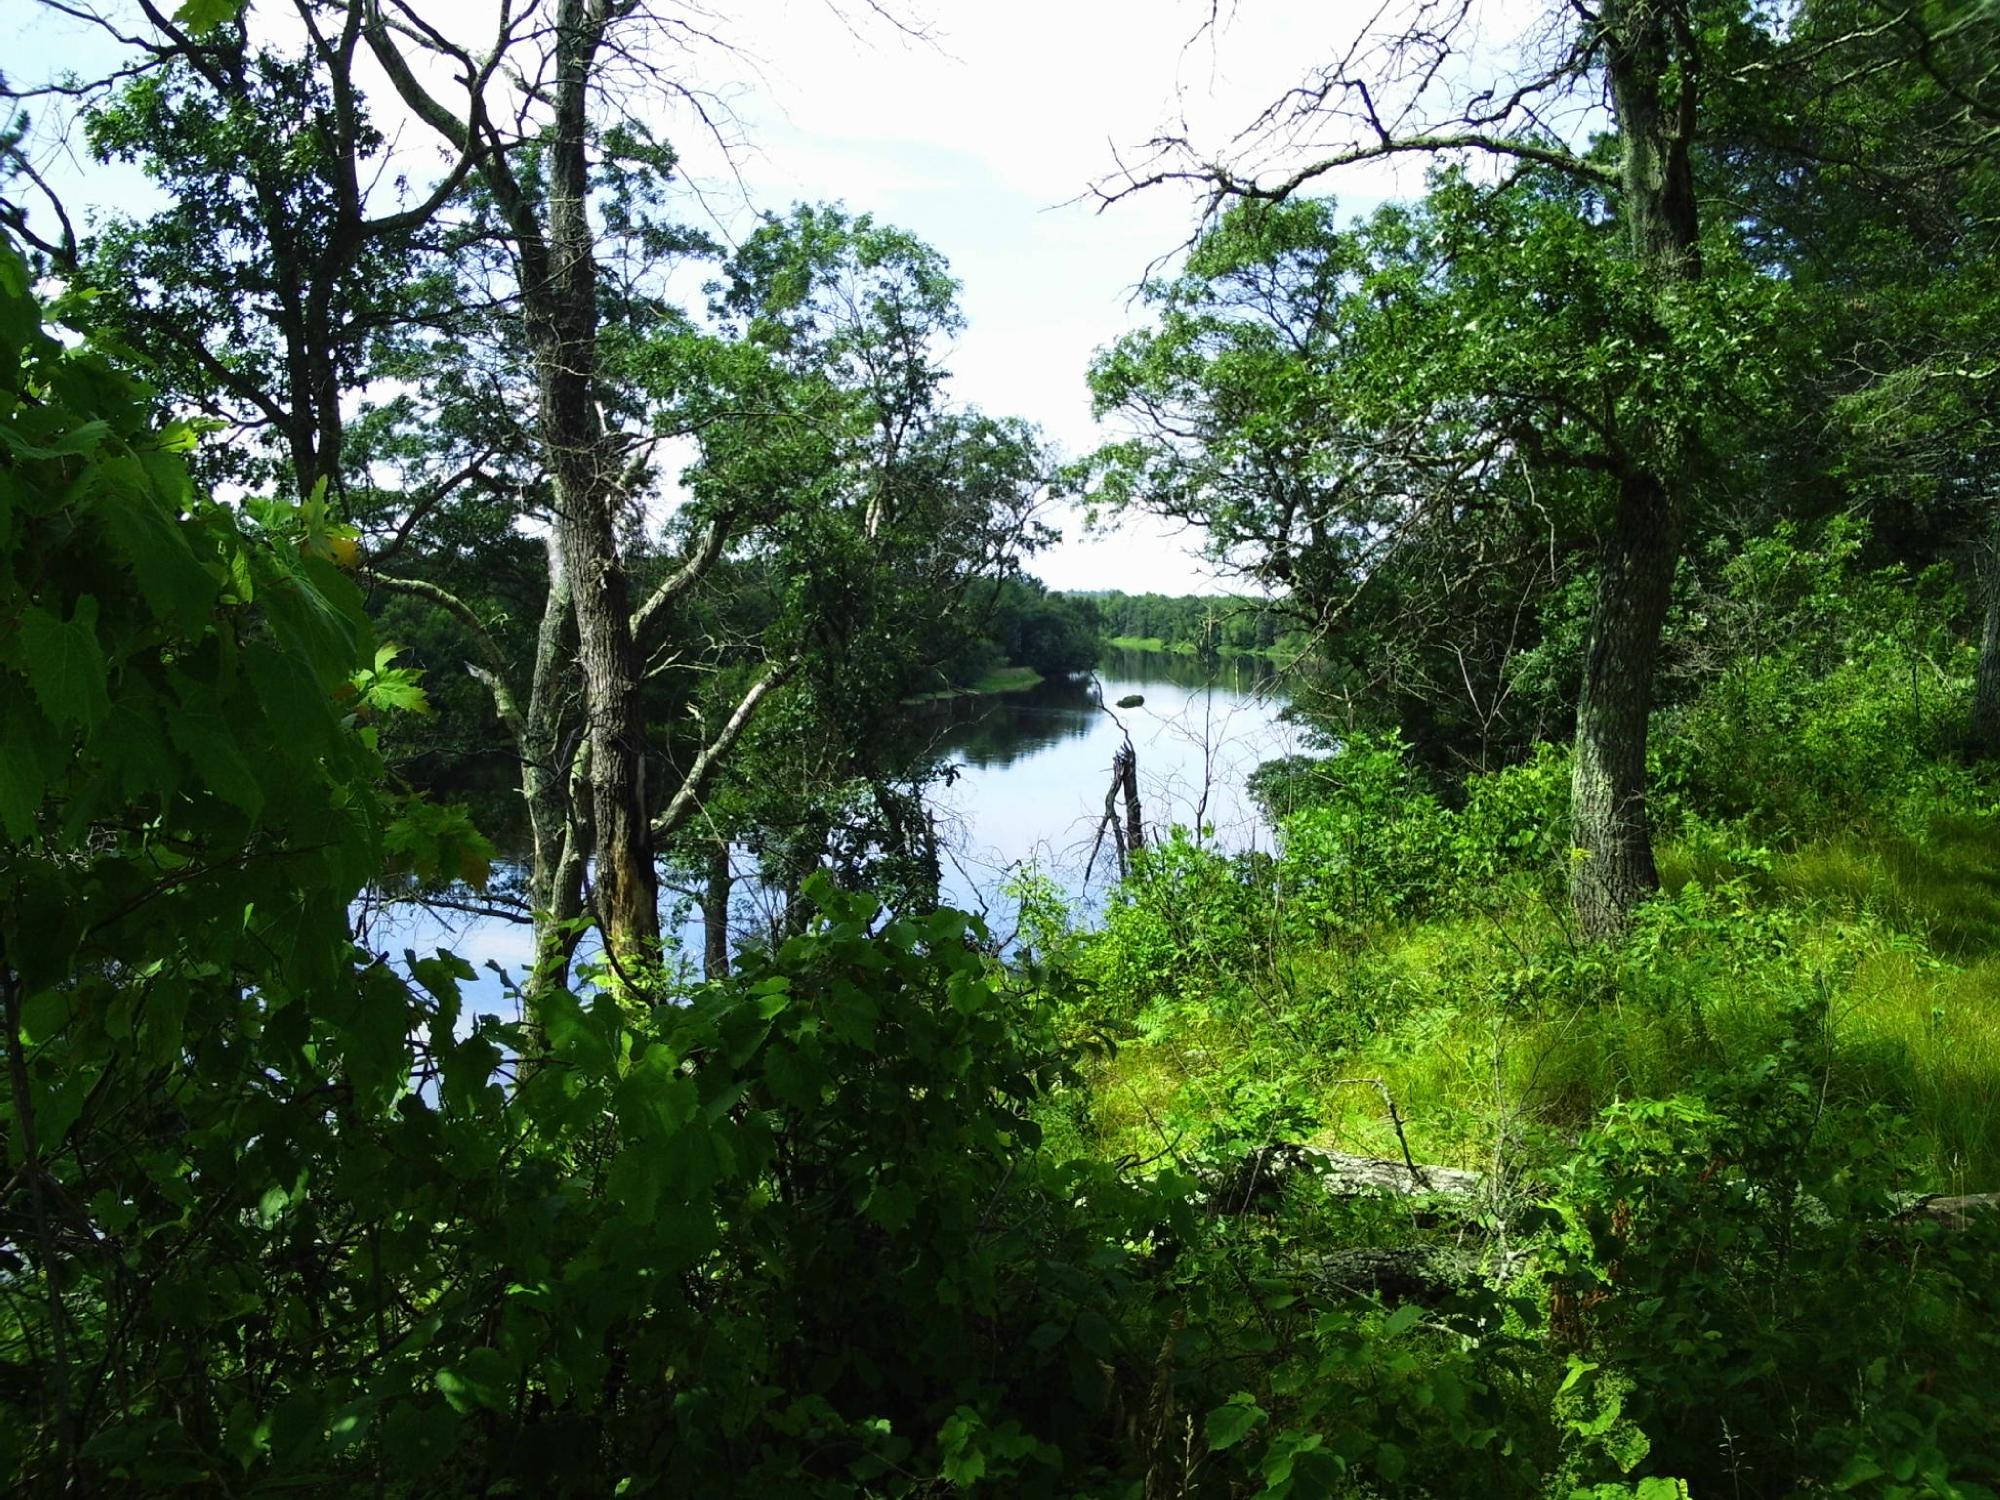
{"type": "Point", "coordinates": [978, 140]}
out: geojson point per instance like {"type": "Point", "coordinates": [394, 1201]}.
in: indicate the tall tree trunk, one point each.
{"type": "Point", "coordinates": [560, 299]}
{"type": "Point", "coordinates": [606, 823]}
{"type": "Point", "coordinates": [1985, 737]}
{"type": "Point", "coordinates": [558, 807]}
{"type": "Point", "coordinates": [1613, 870]}
{"type": "Point", "coordinates": [1653, 65]}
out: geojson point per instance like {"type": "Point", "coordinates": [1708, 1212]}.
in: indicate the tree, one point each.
{"type": "Point", "coordinates": [1650, 58]}
{"type": "Point", "coordinates": [539, 177]}
{"type": "Point", "coordinates": [521, 364]}
{"type": "Point", "coordinates": [278, 275]}
{"type": "Point", "coordinates": [1870, 166]}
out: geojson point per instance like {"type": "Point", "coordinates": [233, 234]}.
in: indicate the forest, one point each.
{"type": "Point", "coordinates": [1586, 1083]}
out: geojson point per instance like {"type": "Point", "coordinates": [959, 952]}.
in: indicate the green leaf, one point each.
{"type": "Point", "coordinates": [65, 665]}
{"type": "Point", "coordinates": [73, 444]}
{"type": "Point", "coordinates": [1401, 1321]}
{"type": "Point", "coordinates": [1227, 1426]}
{"type": "Point", "coordinates": [1391, 1462]}
{"type": "Point", "coordinates": [958, 1444]}
{"type": "Point", "coordinates": [655, 1099]}
{"type": "Point", "coordinates": [135, 744]}
{"type": "Point", "coordinates": [635, 1179]}
{"type": "Point", "coordinates": [201, 733]}
{"type": "Point", "coordinates": [45, 1013]}
{"type": "Point", "coordinates": [893, 1206]}
{"type": "Point", "coordinates": [316, 614]}
{"type": "Point", "coordinates": [21, 781]}
{"type": "Point", "coordinates": [486, 1378]}
{"type": "Point", "coordinates": [203, 16]}
{"type": "Point", "coordinates": [176, 586]}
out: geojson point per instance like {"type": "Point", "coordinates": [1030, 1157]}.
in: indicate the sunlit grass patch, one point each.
{"type": "Point", "coordinates": [1944, 887]}
{"type": "Point", "coordinates": [1497, 1027]}
{"type": "Point", "coordinates": [1924, 1038]}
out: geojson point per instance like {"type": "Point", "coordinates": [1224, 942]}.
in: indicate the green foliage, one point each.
{"type": "Point", "coordinates": [1366, 841]}
{"type": "Point", "coordinates": [1738, 1252]}
{"type": "Point", "coordinates": [191, 801]}
{"type": "Point", "coordinates": [818, 1231]}
{"type": "Point", "coordinates": [281, 1215]}
{"type": "Point", "coordinates": [288, 1218]}
{"type": "Point", "coordinates": [1825, 689]}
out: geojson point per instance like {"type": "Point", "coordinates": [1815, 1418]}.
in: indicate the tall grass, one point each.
{"type": "Point", "coordinates": [1497, 1035]}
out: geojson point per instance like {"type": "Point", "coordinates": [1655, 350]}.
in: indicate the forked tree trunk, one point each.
{"type": "Point", "coordinates": [559, 298]}
{"type": "Point", "coordinates": [1653, 63]}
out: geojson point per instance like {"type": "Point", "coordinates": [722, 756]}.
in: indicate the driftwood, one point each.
{"type": "Point", "coordinates": [1430, 1275]}
{"type": "Point", "coordinates": [1341, 1173]}
{"type": "Point", "coordinates": [1263, 1172]}
{"type": "Point", "coordinates": [1127, 837]}
{"type": "Point", "coordinates": [1952, 1212]}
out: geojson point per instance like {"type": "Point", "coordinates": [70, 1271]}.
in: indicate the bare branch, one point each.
{"type": "Point", "coordinates": [688, 798]}
{"type": "Point", "coordinates": [648, 619]}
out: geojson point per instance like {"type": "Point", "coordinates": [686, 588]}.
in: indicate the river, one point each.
{"type": "Point", "coordinates": [1029, 774]}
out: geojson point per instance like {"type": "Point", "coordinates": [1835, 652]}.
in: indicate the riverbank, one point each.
{"type": "Point", "coordinates": [1000, 681]}
{"type": "Point", "coordinates": [1185, 648]}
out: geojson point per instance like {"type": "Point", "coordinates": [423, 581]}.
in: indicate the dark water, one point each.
{"type": "Point", "coordinates": [1028, 776]}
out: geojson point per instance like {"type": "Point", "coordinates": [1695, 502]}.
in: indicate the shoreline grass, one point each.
{"type": "Point", "coordinates": [997, 683]}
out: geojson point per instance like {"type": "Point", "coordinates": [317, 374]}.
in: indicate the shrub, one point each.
{"type": "Point", "coordinates": [1737, 1253]}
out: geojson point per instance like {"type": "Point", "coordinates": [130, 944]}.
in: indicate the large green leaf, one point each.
{"type": "Point", "coordinates": [202, 16]}
{"type": "Point", "coordinates": [21, 779]}
{"type": "Point", "coordinates": [198, 728]}
{"type": "Point", "coordinates": [1226, 1426]}
{"type": "Point", "coordinates": [175, 584]}
{"type": "Point", "coordinates": [64, 664]}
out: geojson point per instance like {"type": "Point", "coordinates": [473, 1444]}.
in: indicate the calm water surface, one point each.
{"type": "Point", "coordinates": [1029, 774]}
{"type": "Point", "coordinates": [1033, 768]}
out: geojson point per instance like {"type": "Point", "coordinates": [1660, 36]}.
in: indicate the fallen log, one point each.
{"type": "Point", "coordinates": [1342, 1173]}
{"type": "Point", "coordinates": [1346, 1175]}
{"type": "Point", "coordinates": [1952, 1211]}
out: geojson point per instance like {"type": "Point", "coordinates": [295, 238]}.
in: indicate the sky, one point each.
{"type": "Point", "coordinates": [985, 140]}
{"type": "Point", "coordinates": [983, 136]}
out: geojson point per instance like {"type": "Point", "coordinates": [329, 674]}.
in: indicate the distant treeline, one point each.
{"type": "Point", "coordinates": [1202, 624]}
{"type": "Point", "coordinates": [1025, 625]}
{"type": "Point", "coordinates": [1060, 634]}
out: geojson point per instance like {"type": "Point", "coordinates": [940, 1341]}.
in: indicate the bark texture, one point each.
{"type": "Point", "coordinates": [1612, 869]}
{"type": "Point", "coordinates": [715, 913]}
{"type": "Point", "coordinates": [583, 733]}
{"type": "Point", "coordinates": [1653, 64]}
{"type": "Point", "coordinates": [559, 298]}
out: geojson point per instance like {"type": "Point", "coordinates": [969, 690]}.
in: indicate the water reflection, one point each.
{"type": "Point", "coordinates": [1028, 775]}
{"type": "Point", "coordinates": [1033, 767]}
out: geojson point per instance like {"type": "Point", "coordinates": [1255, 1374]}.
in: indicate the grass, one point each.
{"type": "Point", "coordinates": [999, 680]}
{"type": "Point", "coordinates": [1492, 1032]}
{"type": "Point", "coordinates": [1186, 648]}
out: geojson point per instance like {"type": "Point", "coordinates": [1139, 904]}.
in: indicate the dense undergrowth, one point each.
{"type": "Point", "coordinates": [1698, 1140]}
{"type": "Point", "coordinates": [877, 1214]}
